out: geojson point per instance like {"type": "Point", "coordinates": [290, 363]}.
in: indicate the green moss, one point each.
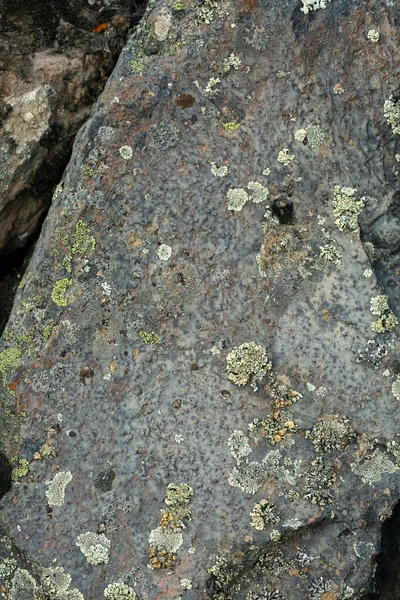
{"type": "Point", "coordinates": [20, 469]}
{"type": "Point", "coordinates": [149, 338]}
{"type": "Point", "coordinates": [59, 293]}
{"type": "Point", "coordinates": [10, 358]}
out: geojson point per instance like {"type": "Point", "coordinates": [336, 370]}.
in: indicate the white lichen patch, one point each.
{"type": "Point", "coordinates": [346, 208]}
{"type": "Point", "coordinates": [247, 363]}
{"type": "Point", "coordinates": [368, 273]}
{"type": "Point", "coordinates": [210, 89]}
{"type": "Point", "coordinates": [391, 111]}
{"type": "Point", "coordinates": [232, 62]}
{"type": "Point", "coordinates": [164, 252]}
{"type": "Point", "coordinates": [94, 546]}
{"type": "Point", "coordinates": [56, 488]}
{"type": "Point", "coordinates": [239, 446]}
{"type": "Point", "coordinates": [315, 136]}
{"type": "Point", "coordinates": [260, 192]}
{"type": "Point", "coordinates": [22, 583]}
{"type": "Point", "coordinates": [396, 388]}
{"type": "Point", "coordinates": [126, 152]}
{"type": "Point", "coordinates": [186, 584]}
{"type": "Point", "coordinates": [119, 591]}
{"type": "Point", "coordinates": [168, 540]}
{"type": "Point", "coordinates": [310, 5]}
{"type": "Point", "coordinates": [374, 468]}
{"type": "Point", "coordinates": [300, 135]}
{"type": "Point", "coordinates": [373, 36]}
{"type": "Point", "coordinates": [237, 198]}
{"type": "Point", "coordinates": [284, 157]}
{"type": "Point", "coordinates": [379, 306]}
{"type": "Point", "coordinates": [30, 115]}
{"type": "Point", "coordinates": [55, 584]}
{"type": "Point", "coordinates": [330, 253]}
{"type": "Point", "coordinates": [219, 171]}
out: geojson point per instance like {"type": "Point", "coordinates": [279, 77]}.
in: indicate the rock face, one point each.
{"type": "Point", "coordinates": [200, 373]}
{"type": "Point", "coordinates": [55, 58]}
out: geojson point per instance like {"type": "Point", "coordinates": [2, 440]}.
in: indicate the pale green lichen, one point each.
{"type": "Point", "coordinates": [373, 36]}
{"type": "Point", "coordinates": [263, 514]}
{"type": "Point", "coordinates": [386, 321]}
{"type": "Point", "coordinates": [83, 244]}
{"type": "Point", "coordinates": [10, 359]}
{"type": "Point", "coordinates": [59, 293]}
{"type": "Point", "coordinates": [119, 591]}
{"type": "Point", "coordinates": [56, 488]}
{"type": "Point", "coordinates": [126, 152]}
{"type": "Point", "coordinates": [164, 252]}
{"type": "Point", "coordinates": [330, 253]}
{"type": "Point", "coordinates": [374, 468]}
{"type": "Point", "coordinates": [247, 363]}
{"type": "Point", "coordinates": [23, 586]}
{"type": "Point", "coordinates": [232, 62]}
{"type": "Point", "coordinates": [20, 468]}
{"type": "Point", "coordinates": [260, 192]}
{"type": "Point", "coordinates": [315, 136]}
{"type": "Point", "coordinates": [396, 388]}
{"type": "Point", "coordinates": [7, 568]}
{"type": "Point", "coordinates": [311, 5]}
{"type": "Point", "coordinates": [178, 494]}
{"type": "Point", "coordinates": [300, 135]}
{"type": "Point", "coordinates": [346, 208]}
{"type": "Point", "coordinates": [231, 126]}
{"type": "Point", "coordinates": [94, 546]}
{"type": "Point", "coordinates": [330, 434]}
{"type": "Point", "coordinates": [391, 111]}
{"type": "Point", "coordinates": [284, 157]}
{"type": "Point", "coordinates": [237, 198]}
{"type": "Point", "coordinates": [55, 583]}
{"type": "Point", "coordinates": [275, 535]}
{"type": "Point", "coordinates": [239, 445]}
{"type": "Point", "coordinates": [219, 171]}
{"type": "Point", "coordinates": [149, 338]}
{"type": "Point", "coordinates": [186, 584]}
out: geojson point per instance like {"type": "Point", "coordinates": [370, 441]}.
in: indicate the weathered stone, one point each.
{"type": "Point", "coordinates": [55, 58]}
{"type": "Point", "coordinates": [150, 272]}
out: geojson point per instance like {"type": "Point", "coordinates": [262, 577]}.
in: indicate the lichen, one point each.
{"type": "Point", "coordinates": [149, 338]}
{"type": "Point", "coordinates": [232, 62]}
{"type": "Point", "coordinates": [219, 171]}
{"type": "Point", "coordinates": [164, 252]}
{"type": "Point", "coordinates": [346, 208]}
{"type": "Point", "coordinates": [95, 547]}
{"type": "Point", "coordinates": [263, 514]}
{"type": "Point", "coordinates": [55, 583]}
{"type": "Point", "coordinates": [56, 488]}
{"type": "Point", "coordinates": [373, 353]}
{"type": "Point", "coordinates": [373, 36]}
{"type": "Point", "coordinates": [310, 5]}
{"type": "Point", "coordinates": [379, 306]}
{"type": "Point", "coordinates": [396, 388]}
{"type": "Point", "coordinates": [231, 126]}
{"type": "Point", "coordinates": [7, 568]}
{"type": "Point", "coordinates": [247, 364]}
{"type": "Point", "coordinates": [373, 468]}
{"type": "Point", "coordinates": [239, 445]}
{"type": "Point", "coordinates": [126, 152]}
{"type": "Point", "coordinates": [315, 136]}
{"type": "Point", "coordinates": [330, 253]}
{"type": "Point", "coordinates": [320, 476]}
{"type": "Point", "coordinates": [237, 198]}
{"type": "Point", "coordinates": [119, 591]}
{"type": "Point", "coordinates": [162, 135]}
{"type": "Point", "coordinates": [20, 467]}
{"type": "Point", "coordinates": [391, 111]}
{"type": "Point", "coordinates": [59, 293]}
{"type": "Point", "coordinates": [23, 586]}
{"type": "Point", "coordinates": [10, 359]}
{"type": "Point", "coordinates": [330, 434]}
{"type": "Point", "coordinates": [284, 157]}
{"type": "Point", "coordinates": [260, 192]}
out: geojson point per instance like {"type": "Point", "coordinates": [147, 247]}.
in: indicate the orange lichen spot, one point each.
{"type": "Point", "coordinates": [37, 456]}
{"type": "Point", "coordinates": [12, 386]}
{"type": "Point", "coordinates": [100, 28]}
{"type": "Point", "coordinates": [278, 438]}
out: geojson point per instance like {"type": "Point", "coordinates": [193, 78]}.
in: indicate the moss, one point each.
{"type": "Point", "coordinates": [59, 293]}
{"type": "Point", "coordinates": [20, 469]}
{"type": "Point", "coordinates": [149, 338]}
{"type": "Point", "coordinates": [10, 358]}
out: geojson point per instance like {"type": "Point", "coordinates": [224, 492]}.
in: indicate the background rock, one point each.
{"type": "Point", "coordinates": [55, 58]}
{"type": "Point", "coordinates": [159, 263]}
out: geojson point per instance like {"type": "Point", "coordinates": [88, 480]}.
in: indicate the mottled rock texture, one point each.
{"type": "Point", "coordinates": [55, 58]}
{"type": "Point", "coordinates": [194, 347]}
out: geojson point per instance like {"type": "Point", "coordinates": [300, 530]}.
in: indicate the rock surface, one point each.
{"type": "Point", "coordinates": [200, 373]}
{"type": "Point", "coordinates": [55, 58]}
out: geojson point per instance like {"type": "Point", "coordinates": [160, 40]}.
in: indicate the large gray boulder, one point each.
{"type": "Point", "coordinates": [200, 373]}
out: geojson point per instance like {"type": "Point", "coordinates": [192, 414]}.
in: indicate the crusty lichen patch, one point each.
{"type": "Point", "coordinates": [374, 468]}
{"type": "Point", "coordinates": [346, 208]}
{"type": "Point", "coordinates": [56, 488]}
{"type": "Point", "coordinates": [247, 363]}
{"type": "Point", "coordinates": [59, 293]}
{"type": "Point", "coordinates": [386, 321]}
{"type": "Point", "coordinates": [94, 546]}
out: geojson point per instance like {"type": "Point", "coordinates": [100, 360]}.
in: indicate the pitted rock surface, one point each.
{"type": "Point", "coordinates": [195, 222]}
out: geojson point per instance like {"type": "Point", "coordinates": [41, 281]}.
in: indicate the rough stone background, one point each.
{"type": "Point", "coordinates": [114, 359]}
{"type": "Point", "coordinates": [55, 58]}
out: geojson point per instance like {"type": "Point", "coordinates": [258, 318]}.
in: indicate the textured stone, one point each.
{"type": "Point", "coordinates": [129, 372]}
